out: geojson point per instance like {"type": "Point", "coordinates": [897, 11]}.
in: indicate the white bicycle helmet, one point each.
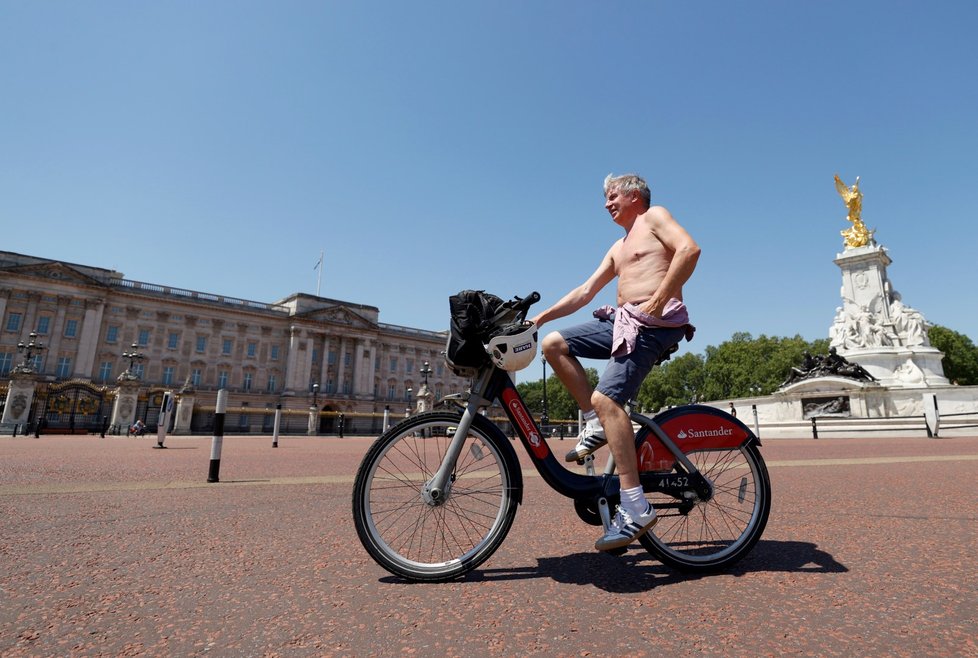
{"type": "Point", "coordinates": [514, 347]}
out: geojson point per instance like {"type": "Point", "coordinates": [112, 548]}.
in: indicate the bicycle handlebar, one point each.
{"type": "Point", "coordinates": [522, 305]}
{"type": "Point", "coordinates": [515, 308]}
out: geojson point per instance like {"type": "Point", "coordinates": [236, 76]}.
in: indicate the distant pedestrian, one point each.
{"type": "Point", "coordinates": [733, 410]}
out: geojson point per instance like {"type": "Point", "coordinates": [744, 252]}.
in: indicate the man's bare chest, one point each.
{"type": "Point", "coordinates": [640, 250]}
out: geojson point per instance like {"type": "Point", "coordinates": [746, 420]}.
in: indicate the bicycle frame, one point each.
{"type": "Point", "coordinates": [696, 427]}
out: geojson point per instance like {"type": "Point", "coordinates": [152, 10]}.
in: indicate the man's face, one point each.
{"type": "Point", "coordinates": [621, 205]}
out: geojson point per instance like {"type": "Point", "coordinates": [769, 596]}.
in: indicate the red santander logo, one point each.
{"type": "Point", "coordinates": [527, 427]}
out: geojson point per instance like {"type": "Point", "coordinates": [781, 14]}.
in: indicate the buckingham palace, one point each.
{"type": "Point", "coordinates": [83, 332]}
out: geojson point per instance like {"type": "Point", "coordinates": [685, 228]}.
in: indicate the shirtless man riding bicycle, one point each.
{"type": "Point", "coordinates": [652, 262]}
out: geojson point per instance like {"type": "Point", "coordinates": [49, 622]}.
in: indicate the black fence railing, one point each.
{"type": "Point", "coordinates": [956, 425]}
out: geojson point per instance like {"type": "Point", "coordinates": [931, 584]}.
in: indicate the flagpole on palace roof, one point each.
{"type": "Point", "coordinates": [319, 266]}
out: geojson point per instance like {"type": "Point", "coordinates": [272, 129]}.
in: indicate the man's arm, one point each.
{"type": "Point", "coordinates": [582, 294]}
{"type": "Point", "coordinates": [685, 253]}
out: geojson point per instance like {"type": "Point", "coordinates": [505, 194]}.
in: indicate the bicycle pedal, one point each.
{"type": "Point", "coordinates": [580, 462]}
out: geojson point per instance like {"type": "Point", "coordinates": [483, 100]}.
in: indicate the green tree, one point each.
{"type": "Point", "coordinates": [960, 354]}
{"type": "Point", "coordinates": [740, 367]}
{"type": "Point", "coordinates": [679, 381]}
{"type": "Point", "coordinates": [560, 404]}
{"type": "Point", "coordinates": [744, 366]}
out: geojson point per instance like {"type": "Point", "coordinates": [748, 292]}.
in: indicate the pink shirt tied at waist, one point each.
{"type": "Point", "coordinates": [629, 320]}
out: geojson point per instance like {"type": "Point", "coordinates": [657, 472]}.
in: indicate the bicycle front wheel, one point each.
{"type": "Point", "coordinates": [410, 536]}
{"type": "Point", "coordinates": [714, 534]}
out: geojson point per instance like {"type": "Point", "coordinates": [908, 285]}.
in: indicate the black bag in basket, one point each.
{"type": "Point", "coordinates": [471, 311]}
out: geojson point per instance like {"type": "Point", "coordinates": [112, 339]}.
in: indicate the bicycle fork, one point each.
{"type": "Point", "coordinates": [437, 490]}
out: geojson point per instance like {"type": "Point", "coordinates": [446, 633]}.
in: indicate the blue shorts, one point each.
{"type": "Point", "coordinates": [624, 374]}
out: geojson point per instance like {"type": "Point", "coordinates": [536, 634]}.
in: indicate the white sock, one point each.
{"type": "Point", "coordinates": [590, 415]}
{"type": "Point", "coordinates": [633, 500]}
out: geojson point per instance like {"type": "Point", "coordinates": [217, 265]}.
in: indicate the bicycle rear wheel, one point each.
{"type": "Point", "coordinates": [711, 535]}
{"type": "Point", "coordinates": [421, 541]}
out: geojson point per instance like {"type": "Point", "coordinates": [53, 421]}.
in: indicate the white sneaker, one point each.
{"type": "Point", "coordinates": [624, 529]}
{"type": "Point", "coordinates": [590, 439]}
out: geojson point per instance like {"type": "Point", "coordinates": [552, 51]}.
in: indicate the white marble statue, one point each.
{"type": "Point", "coordinates": [908, 323]}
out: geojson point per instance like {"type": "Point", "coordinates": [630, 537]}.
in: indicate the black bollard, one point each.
{"type": "Point", "coordinates": [218, 438]}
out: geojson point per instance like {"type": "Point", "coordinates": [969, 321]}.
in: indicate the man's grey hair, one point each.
{"type": "Point", "coordinates": [628, 183]}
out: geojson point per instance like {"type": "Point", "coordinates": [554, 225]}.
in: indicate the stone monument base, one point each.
{"type": "Point", "coordinates": [902, 367]}
{"type": "Point", "coordinates": [872, 409]}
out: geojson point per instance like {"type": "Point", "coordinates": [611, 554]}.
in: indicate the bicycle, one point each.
{"type": "Point", "coordinates": [436, 495]}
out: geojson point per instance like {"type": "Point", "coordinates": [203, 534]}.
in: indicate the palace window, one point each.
{"type": "Point", "coordinates": [226, 346]}
{"type": "Point", "coordinates": [43, 323]}
{"type": "Point", "coordinates": [143, 337]}
{"type": "Point", "coordinates": [167, 375]}
{"type": "Point", "coordinates": [105, 371]}
{"type": "Point", "coordinates": [112, 334]}
{"type": "Point", "coordinates": [64, 367]}
{"type": "Point", "coordinates": [6, 359]}
{"type": "Point", "coordinates": [222, 379]}
{"type": "Point", "coordinates": [71, 328]}
{"type": "Point", "coordinates": [201, 343]}
{"type": "Point", "coordinates": [173, 340]}
{"type": "Point", "coordinates": [13, 322]}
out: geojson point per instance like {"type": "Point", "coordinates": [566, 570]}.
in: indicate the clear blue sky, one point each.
{"type": "Point", "coordinates": [429, 147]}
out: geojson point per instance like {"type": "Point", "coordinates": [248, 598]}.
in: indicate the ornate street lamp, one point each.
{"type": "Point", "coordinates": [425, 371]}
{"type": "Point", "coordinates": [315, 395]}
{"type": "Point", "coordinates": [133, 357]}
{"type": "Point", "coordinates": [30, 351]}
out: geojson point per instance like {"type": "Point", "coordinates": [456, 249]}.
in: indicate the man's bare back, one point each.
{"type": "Point", "coordinates": [643, 259]}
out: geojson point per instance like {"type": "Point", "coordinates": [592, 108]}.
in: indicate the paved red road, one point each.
{"type": "Point", "coordinates": [108, 547]}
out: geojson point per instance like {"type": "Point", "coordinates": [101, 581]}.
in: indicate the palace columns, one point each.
{"type": "Point", "coordinates": [88, 342]}
{"type": "Point", "coordinates": [340, 365]}
{"type": "Point", "coordinates": [324, 364]}
{"type": "Point", "coordinates": [58, 330]}
{"type": "Point", "coordinates": [28, 326]}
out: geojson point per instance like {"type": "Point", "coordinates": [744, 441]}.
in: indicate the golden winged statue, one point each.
{"type": "Point", "coordinates": [857, 235]}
